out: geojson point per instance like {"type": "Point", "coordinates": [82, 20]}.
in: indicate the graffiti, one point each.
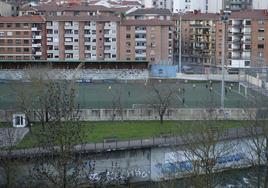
{"type": "Point", "coordinates": [187, 166]}
{"type": "Point", "coordinates": [114, 174]}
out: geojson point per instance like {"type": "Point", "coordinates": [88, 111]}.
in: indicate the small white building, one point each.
{"type": "Point", "coordinates": [19, 120]}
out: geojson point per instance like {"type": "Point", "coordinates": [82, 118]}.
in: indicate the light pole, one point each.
{"type": "Point", "coordinates": [181, 12]}
{"type": "Point", "coordinates": [180, 46]}
{"type": "Point", "coordinates": [224, 19]}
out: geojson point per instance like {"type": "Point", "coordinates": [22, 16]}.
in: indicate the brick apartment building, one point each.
{"type": "Point", "coordinates": [245, 43]}
{"type": "Point", "coordinates": [80, 32]}
{"type": "Point", "coordinates": [22, 38]}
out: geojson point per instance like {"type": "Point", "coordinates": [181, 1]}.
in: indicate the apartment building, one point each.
{"type": "Point", "coordinates": [159, 4]}
{"type": "Point", "coordinates": [147, 34]}
{"type": "Point", "coordinates": [202, 33]}
{"type": "Point", "coordinates": [82, 37]}
{"type": "Point", "coordinates": [247, 43]}
{"type": "Point", "coordinates": [199, 38]}
{"type": "Point", "coordinates": [22, 38]}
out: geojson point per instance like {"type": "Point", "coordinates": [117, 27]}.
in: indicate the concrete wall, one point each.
{"type": "Point", "coordinates": [155, 164]}
{"type": "Point", "coordinates": [152, 114]}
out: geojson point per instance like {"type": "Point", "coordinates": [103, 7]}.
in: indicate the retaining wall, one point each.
{"type": "Point", "coordinates": [152, 114]}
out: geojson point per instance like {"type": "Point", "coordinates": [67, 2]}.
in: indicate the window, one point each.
{"type": "Point", "coordinates": [128, 51]}
{"type": "Point", "coordinates": [128, 36]}
{"type": "Point", "coordinates": [49, 39]}
{"type": "Point", "coordinates": [9, 33]}
{"type": "Point", "coordinates": [248, 22]}
{"type": "Point", "coordinates": [56, 31]}
{"type": "Point", "coordinates": [10, 49]}
{"type": "Point", "coordinates": [2, 41]}
{"type": "Point", "coordinates": [25, 25]}
{"type": "Point", "coordinates": [261, 30]}
{"type": "Point", "coordinates": [26, 41]}
{"type": "Point", "coordinates": [9, 25]}
{"type": "Point", "coordinates": [10, 41]}
{"type": "Point", "coordinates": [261, 22]}
{"type": "Point", "coordinates": [128, 28]}
{"type": "Point", "coordinates": [26, 50]}
{"type": "Point", "coordinates": [76, 32]}
{"type": "Point", "coordinates": [1, 25]}
{"type": "Point", "coordinates": [18, 41]}
{"type": "Point", "coordinates": [261, 38]}
{"type": "Point", "coordinates": [17, 25]}
{"type": "Point", "coordinates": [18, 49]}
{"type": "Point", "coordinates": [68, 39]}
{"type": "Point", "coordinates": [26, 32]}
{"type": "Point", "coordinates": [247, 63]}
{"type": "Point", "coordinates": [260, 46]}
{"type": "Point", "coordinates": [17, 33]}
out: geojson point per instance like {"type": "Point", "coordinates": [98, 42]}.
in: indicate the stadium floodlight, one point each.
{"type": "Point", "coordinates": [181, 13]}
{"type": "Point", "coordinates": [224, 20]}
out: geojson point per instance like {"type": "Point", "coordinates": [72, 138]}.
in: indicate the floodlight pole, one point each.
{"type": "Point", "coordinates": [180, 45]}
{"type": "Point", "coordinates": [224, 20]}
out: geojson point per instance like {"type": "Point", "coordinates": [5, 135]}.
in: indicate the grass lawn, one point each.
{"type": "Point", "coordinates": [125, 130]}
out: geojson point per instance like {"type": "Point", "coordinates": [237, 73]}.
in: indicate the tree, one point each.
{"type": "Point", "coordinates": [63, 132]}
{"type": "Point", "coordinates": [257, 134]}
{"type": "Point", "coordinates": [204, 149]}
{"type": "Point", "coordinates": [6, 162]}
{"type": "Point", "coordinates": [162, 99]}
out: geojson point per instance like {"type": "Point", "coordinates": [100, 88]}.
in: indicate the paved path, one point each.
{"type": "Point", "coordinates": [12, 136]}
{"type": "Point", "coordinates": [167, 141]}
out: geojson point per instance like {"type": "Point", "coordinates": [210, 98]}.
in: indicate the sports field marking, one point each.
{"type": "Point", "coordinates": [180, 99]}
{"type": "Point", "coordinates": [219, 94]}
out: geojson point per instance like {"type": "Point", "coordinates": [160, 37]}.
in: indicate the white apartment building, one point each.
{"type": "Point", "coordinates": [160, 4]}
{"type": "Point", "coordinates": [190, 5]}
{"type": "Point", "coordinates": [260, 4]}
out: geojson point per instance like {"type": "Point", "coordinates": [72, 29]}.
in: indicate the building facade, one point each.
{"type": "Point", "coordinates": [202, 33]}
{"type": "Point", "coordinates": [22, 38]}
{"type": "Point", "coordinates": [9, 8]}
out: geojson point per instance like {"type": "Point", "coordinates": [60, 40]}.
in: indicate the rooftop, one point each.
{"type": "Point", "coordinates": [154, 11]}
{"type": "Point", "coordinates": [22, 19]}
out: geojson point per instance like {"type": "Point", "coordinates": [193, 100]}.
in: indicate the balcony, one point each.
{"type": "Point", "coordinates": [38, 53]}
{"type": "Point", "coordinates": [36, 29]}
{"type": "Point", "coordinates": [37, 37]}
{"type": "Point", "coordinates": [38, 45]}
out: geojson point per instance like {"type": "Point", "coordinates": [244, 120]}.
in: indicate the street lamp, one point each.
{"type": "Point", "coordinates": [224, 20]}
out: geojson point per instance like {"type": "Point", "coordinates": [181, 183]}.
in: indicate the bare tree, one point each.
{"type": "Point", "coordinates": [117, 97]}
{"type": "Point", "coordinates": [6, 162]}
{"type": "Point", "coordinates": [257, 133]}
{"type": "Point", "coordinates": [204, 150]}
{"type": "Point", "coordinates": [63, 133]}
{"type": "Point", "coordinates": [162, 99]}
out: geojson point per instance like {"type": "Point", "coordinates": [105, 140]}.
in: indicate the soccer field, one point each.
{"type": "Point", "coordinates": [104, 95]}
